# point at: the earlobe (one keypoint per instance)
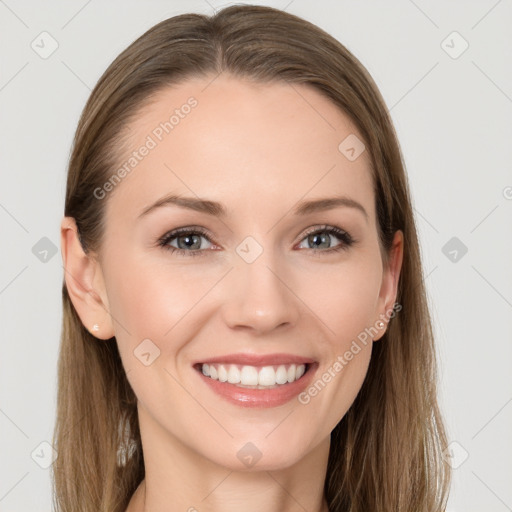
(84, 282)
(389, 287)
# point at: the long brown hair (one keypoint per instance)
(385, 453)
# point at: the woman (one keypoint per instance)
(290, 365)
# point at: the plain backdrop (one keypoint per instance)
(445, 72)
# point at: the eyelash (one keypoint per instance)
(346, 239)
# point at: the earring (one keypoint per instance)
(95, 327)
(381, 324)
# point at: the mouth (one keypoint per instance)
(256, 385)
(254, 377)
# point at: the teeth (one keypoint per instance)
(253, 376)
(281, 375)
(233, 374)
(291, 373)
(222, 373)
(249, 376)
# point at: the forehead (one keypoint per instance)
(249, 145)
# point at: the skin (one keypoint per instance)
(258, 150)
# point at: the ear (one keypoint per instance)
(84, 282)
(389, 286)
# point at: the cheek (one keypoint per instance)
(150, 304)
(344, 297)
(148, 300)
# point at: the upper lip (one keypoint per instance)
(258, 359)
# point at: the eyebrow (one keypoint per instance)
(218, 210)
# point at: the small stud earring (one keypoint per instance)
(95, 327)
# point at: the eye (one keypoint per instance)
(187, 241)
(321, 239)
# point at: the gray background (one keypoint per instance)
(452, 113)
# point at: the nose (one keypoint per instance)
(259, 297)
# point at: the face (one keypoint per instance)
(263, 282)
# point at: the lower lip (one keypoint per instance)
(262, 398)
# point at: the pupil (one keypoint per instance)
(313, 239)
(189, 242)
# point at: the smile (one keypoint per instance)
(256, 386)
(254, 377)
